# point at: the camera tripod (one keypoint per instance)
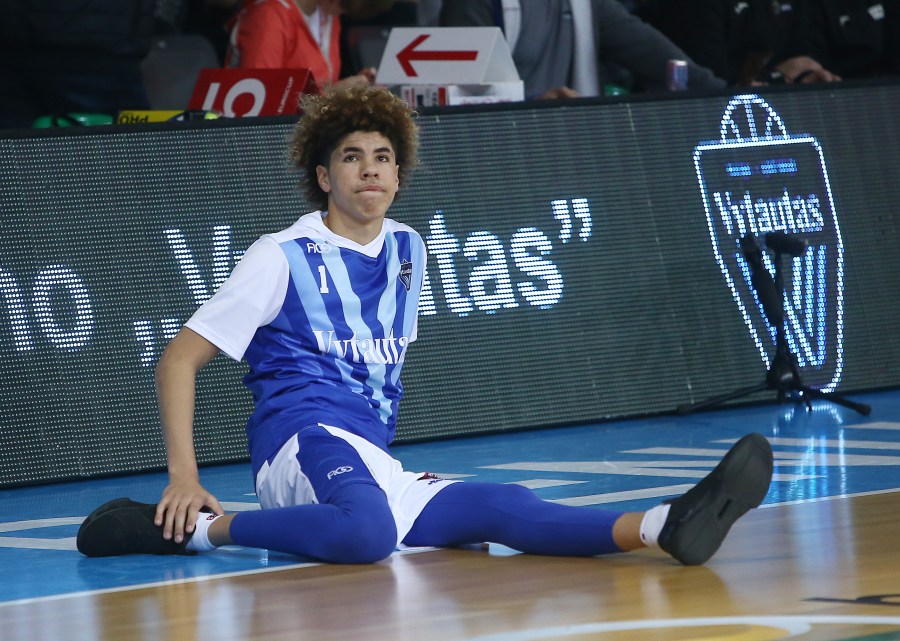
(783, 375)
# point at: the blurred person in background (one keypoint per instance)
(428, 13)
(569, 48)
(72, 56)
(855, 38)
(745, 42)
(298, 34)
(205, 18)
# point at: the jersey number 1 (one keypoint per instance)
(323, 280)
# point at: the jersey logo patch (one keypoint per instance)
(405, 274)
(428, 476)
(341, 470)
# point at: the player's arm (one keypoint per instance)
(250, 298)
(176, 376)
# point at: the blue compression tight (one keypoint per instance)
(357, 526)
(512, 515)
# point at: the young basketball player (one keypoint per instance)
(323, 312)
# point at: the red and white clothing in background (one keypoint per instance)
(275, 34)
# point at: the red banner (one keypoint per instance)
(237, 93)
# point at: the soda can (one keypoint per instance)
(678, 75)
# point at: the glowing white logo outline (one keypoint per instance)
(770, 137)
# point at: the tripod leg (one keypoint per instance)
(810, 393)
(681, 410)
(796, 382)
(807, 398)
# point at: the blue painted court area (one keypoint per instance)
(622, 465)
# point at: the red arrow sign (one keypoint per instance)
(409, 53)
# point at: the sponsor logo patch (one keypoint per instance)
(341, 470)
(405, 274)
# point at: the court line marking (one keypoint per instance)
(793, 625)
(820, 499)
(782, 457)
(540, 484)
(33, 524)
(875, 425)
(661, 468)
(836, 443)
(66, 544)
(155, 584)
(191, 579)
(625, 495)
(241, 573)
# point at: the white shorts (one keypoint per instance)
(281, 482)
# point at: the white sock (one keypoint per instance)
(200, 538)
(653, 522)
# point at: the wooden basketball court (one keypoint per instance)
(818, 561)
(816, 571)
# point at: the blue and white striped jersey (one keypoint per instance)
(324, 324)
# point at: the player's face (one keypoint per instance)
(361, 180)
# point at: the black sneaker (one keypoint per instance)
(123, 526)
(699, 520)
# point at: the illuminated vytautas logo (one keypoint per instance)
(756, 179)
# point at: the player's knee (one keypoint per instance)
(363, 530)
(374, 545)
(368, 536)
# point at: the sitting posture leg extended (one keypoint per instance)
(356, 524)
(690, 528)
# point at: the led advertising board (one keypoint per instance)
(582, 264)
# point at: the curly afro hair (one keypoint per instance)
(329, 117)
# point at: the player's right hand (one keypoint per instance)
(179, 506)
